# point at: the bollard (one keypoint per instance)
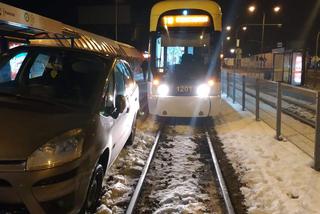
(243, 92)
(234, 88)
(257, 100)
(279, 107)
(317, 135)
(227, 84)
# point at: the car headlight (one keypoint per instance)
(163, 90)
(62, 149)
(203, 90)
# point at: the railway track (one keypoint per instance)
(182, 173)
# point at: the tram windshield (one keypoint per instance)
(183, 54)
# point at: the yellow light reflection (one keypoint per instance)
(156, 82)
(189, 20)
(211, 82)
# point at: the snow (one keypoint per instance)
(301, 108)
(123, 175)
(176, 186)
(276, 176)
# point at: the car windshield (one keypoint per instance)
(56, 76)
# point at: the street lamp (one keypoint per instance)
(276, 9)
(252, 8)
(116, 20)
(228, 28)
(232, 50)
(244, 28)
(228, 38)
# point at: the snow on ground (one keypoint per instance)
(123, 175)
(176, 182)
(301, 108)
(277, 177)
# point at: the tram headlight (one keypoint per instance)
(203, 90)
(163, 90)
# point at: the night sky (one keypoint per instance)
(300, 19)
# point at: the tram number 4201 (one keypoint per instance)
(184, 89)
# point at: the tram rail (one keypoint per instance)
(222, 188)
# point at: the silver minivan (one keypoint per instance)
(65, 116)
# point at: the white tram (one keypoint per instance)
(185, 58)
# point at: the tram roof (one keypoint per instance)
(206, 5)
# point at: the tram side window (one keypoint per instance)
(11, 66)
(159, 54)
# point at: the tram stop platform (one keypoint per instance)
(276, 176)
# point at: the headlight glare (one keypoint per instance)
(203, 90)
(211, 82)
(58, 151)
(163, 90)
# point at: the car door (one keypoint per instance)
(119, 129)
(132, 93)
(112, 125)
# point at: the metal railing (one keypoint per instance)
(293, 112)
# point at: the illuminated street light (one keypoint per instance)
(252, 8)
(221, 56)
(228, 38)
(232, 50)
(228, 28)
(201, 37)
(276, 9)
(244, 28)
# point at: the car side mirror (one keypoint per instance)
(109, 109)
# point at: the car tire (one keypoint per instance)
(133, 133)
(94, 190)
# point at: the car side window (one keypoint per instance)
(108, 96)
(39, 66)
(127, 73)
(119, 80)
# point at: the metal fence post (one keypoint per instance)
(279, 107)
(227, 84)
(317, 135)
(234, 88)
(243, 92)
(257, 100)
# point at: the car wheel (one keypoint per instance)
(133, 133)
(94, 190)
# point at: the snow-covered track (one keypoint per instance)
(139, 186)
(172, 185)
(222, 183)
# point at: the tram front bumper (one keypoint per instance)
(180, 106)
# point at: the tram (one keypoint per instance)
(184, 62)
